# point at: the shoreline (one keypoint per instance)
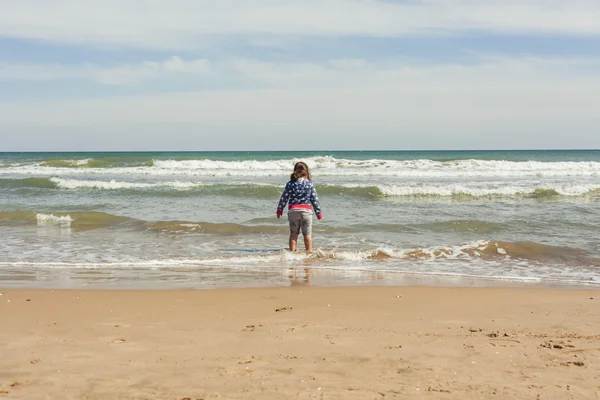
(300, 342)
(220, 277)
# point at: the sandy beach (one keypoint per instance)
(301, 342)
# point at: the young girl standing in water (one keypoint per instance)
(302, 196)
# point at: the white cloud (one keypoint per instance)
(188, 24)
(513, 100)
(148, 70)
(486, 71)
(516, 101)
(128, 74)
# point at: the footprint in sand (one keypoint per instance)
(577, 363)
(560, 345)
(250, 328)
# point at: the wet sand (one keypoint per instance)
(301, 342)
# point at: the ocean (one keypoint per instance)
(207, 219)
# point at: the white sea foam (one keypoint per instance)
(475, 189)
(467, 250)
(479, 259)
(329, 166)
(67, 183)
(318, 257)
(64, 183)
(81, 162)
(275, 259)
(487, 189)
(77, 163)
(325, 166)
(51, 219)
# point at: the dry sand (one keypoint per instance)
(301, 342)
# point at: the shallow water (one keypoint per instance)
(208, 219)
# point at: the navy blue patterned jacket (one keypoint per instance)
(300, 194)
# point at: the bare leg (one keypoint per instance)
(308, 242)
(293, 242)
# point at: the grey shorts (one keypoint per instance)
(300, 218)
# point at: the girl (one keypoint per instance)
(301, 193)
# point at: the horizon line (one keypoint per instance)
(295, 151)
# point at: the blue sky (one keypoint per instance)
(327, 74)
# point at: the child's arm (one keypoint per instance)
(314, 199)
(285, 196)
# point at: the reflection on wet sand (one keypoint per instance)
(304, 280)
(214, 277)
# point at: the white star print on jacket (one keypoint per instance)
(300, 194)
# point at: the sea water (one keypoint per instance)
(207, 219)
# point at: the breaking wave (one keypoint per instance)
(484, 250)
(75, 220)
(95, 163)
(409, 189)
(535, 255)
(493, 190)
(322, 166)
(62, 183)
(93, 220)
(480, 249)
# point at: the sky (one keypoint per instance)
(83, 75)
